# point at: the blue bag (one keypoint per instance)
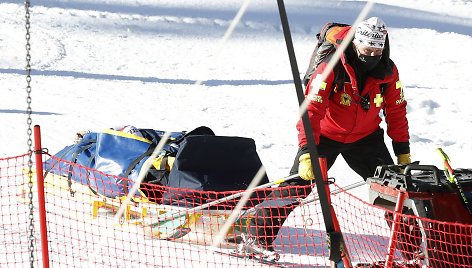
(114, 158)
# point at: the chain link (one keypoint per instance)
(29, 133)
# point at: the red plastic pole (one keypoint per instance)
(337, 227)
(41, 199)
(395, 226)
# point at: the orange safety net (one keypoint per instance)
(82, 229)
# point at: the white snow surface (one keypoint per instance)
(102, 63)
(97, 64)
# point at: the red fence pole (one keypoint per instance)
(344, 253)
(395, 226)
(41, 199)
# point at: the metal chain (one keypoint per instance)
(29, 133)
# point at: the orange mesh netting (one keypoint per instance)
(82, 230)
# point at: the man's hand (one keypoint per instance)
(305, 171)
(403, 159)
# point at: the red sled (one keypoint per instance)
(439, 230)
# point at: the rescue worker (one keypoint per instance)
(345, 121)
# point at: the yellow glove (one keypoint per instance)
(305, 171)
(403, 159)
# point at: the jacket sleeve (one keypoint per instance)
(318, 102)
(395, 115)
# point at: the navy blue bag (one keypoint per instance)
(211, 163)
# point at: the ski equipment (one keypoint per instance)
(449, 172)
(239, 255)
(169, 223)
(250, 248)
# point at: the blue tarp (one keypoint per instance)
(203, 162)
(108, 154)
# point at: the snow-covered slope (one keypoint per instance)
(103, 63)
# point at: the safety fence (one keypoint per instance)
(81, 228)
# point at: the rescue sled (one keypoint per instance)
(428, 194)
(102, 168)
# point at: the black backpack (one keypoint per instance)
(325, 48)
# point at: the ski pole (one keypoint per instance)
(221, 200)
(449, 172)
(313, 198)
(337, 191)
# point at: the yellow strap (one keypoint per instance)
(126, 135)
(157, 162)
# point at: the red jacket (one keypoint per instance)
(341, 117)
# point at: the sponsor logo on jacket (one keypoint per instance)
(372, 35)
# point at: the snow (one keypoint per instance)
(103, 63)
(98, 64)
